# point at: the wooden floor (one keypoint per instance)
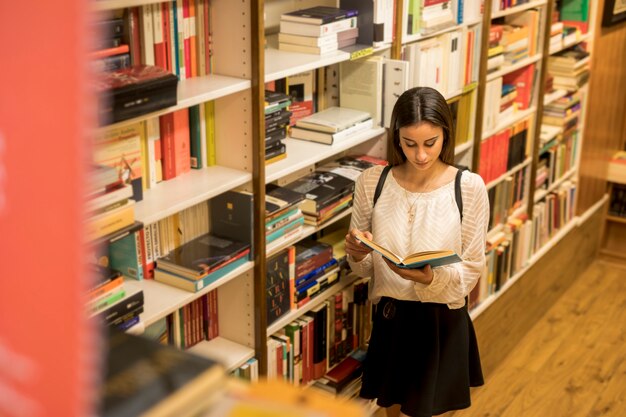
(573, 361)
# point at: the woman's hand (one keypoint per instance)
(423, 275)
(354, 248)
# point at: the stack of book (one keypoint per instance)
(326, 195)
(283, 217)
(569, 68)
(201, 261)
(277, 116)
(109, 205)
(556, 36)
(434, 15)
(562, 111)
(110, 301)
(331, 125)
(317, 30)
(495, 53)
(110, 52)
(316, 269)
(344, 377)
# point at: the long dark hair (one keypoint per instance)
(416, 105)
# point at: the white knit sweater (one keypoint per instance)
(436, 226)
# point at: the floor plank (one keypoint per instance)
(573, 361)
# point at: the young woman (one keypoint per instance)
(422, 355)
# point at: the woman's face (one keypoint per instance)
(422, 144)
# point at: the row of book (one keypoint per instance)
(313, 345)
(508, 95)
(504, 150)
(617, 201)
(110, 301)
(446, 62)
(318, 30)
(277, 118)
(506, 196)
(426, 16)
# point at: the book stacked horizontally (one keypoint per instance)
(316, 269)
(110, 52)
(326, 195)
(317, 30)
(109, 205)
(569, 68)
(277, 117)
(563, 112)
(283, 217)
(201, 261)
(112, 302)
(331, 125)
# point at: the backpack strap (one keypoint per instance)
(381, 182)
(457, 189)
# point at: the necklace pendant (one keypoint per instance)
(411, 215)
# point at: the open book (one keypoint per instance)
(414, 260)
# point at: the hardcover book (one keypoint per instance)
(201, 256)
(146, 378)
(318, 15)
(321, 189)
(133, 91)
(333, 119)
(414, 260)
(279, 284)
(278, 198)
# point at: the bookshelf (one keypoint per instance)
(243, 64)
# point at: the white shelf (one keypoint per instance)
(583, 38)
(193, 187)
(320, 298)
(230, 354)
(302, 153)
(475, 312)
(406, 39)
(194, 91)
(520, 115)
(161, 299)
(506, 69)
(280, 64)
(518, 9)
(553, 96)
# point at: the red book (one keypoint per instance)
(167, 39)
(160, 50)
(103, 53)
(186, 38)
(175, 143)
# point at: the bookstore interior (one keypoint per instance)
(225, 141)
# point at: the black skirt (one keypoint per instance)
(423, 356)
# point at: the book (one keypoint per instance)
(329, 138)
(279, 284)
(145, 378)
(279, 198)
(305, 29)
(333, 119)
(321, 189)
(318, 15)
(201, 256)
(414, 260)
(195, 285)
(133, 91)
